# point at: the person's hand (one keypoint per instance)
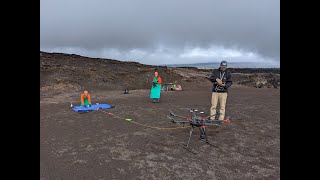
(219, 81)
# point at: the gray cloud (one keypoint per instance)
(166, 30)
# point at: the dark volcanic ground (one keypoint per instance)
(97, 145)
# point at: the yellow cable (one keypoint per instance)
(154, 127)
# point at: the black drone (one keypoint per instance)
(196, 121)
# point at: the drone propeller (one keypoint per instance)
(172, 120)
(171, 113)
(215, 122)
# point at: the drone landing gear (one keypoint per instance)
(203, 138)
(187, 147)
(207, 142)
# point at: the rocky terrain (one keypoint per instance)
(67, 73)
(99, 145)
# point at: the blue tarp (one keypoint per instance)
(92, 108)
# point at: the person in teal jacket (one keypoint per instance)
(156, 88)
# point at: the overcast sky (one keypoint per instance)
(163, 31)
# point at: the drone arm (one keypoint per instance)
(182, 121)
(172, 114)
(180, 117)
(175, 121)
(208, 117)
(217, 121)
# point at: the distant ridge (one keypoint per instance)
(230, 64)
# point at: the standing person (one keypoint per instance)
(221, 79)
(156, 87)
(85, 99)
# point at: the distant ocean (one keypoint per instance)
(230, 65)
